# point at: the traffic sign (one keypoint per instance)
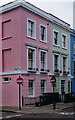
(19, 80)
(53, 80)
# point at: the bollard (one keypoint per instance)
(53, 105)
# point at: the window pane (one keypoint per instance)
(43, 60)
(55, 38)
(31, 87)
(31, 58)
(43, 86)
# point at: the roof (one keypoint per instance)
(34, 9)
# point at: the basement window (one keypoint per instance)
(5, 79)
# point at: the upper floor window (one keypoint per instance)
(56, 63)
(31, 58)
(31, 28)
(43, 60)
(43, 33)
(55, 38)
(64, 41)
(64, 63)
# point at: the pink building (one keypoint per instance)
(25, 52)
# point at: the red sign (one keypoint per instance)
(53, 80)
(19, 80)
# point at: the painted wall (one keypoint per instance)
(14, 51)
(72, 39)
(60, 51)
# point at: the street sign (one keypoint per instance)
(53, 80)
(19, 80)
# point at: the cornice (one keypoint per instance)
(30, 7)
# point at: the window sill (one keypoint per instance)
(5, 81)
(56, 45)
(43, 41)
(31, 96)
(31, 37)
(6, 38)
(64, 48)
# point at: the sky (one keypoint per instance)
(62, 9)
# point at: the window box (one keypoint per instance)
(57, 70)
(60, 71)
(43, 71)
(65, 72)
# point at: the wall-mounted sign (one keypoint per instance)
(17, 68)
(53, 80)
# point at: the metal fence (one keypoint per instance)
(29, 100)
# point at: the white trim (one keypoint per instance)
(34, 22)
(66, 62)
(20, 72)
(33, 89)
(62, 40)
(58, 45)
(58, 61)
(40, 58)
(34, 53)
(45, 33)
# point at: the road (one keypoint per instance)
(68, 114)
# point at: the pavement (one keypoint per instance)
(31, 109)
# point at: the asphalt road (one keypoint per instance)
(67, 114)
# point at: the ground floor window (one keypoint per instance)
(43, 86)
(31, 88)
(62, 86)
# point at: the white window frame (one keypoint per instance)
(4, 80)
(65, 42)
(57, 38)
(44, 86)
(40, 58)
(66, 63)
(34, 36)
(58, 61)
(45, 33)
(35, 56)
(33, 89)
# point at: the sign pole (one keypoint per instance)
(19, 99)
(19, 82)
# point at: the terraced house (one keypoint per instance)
(35, 45)
(72, 45)
(60, 57)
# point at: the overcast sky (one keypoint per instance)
(63, 9)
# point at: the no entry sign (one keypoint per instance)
(19, 80)
(53, 80)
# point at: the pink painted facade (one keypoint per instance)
(14, 53)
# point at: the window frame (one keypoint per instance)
(34, 22)
(43, 87)
(66, 63)
(65, 42)
(46, 59)
(5, 81)
(45, 41)
(34, 57)
(57, 45)
(33, 95)
(54, 61)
